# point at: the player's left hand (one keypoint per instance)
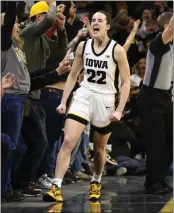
(115, 116)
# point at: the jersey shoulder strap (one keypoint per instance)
(114, 44)
(86, 44)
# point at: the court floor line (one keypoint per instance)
(168, 207)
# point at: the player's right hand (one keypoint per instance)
(61, 109)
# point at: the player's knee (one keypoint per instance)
(67, 143)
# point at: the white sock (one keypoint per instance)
(58, 182)
(96, 178)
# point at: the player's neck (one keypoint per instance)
(101, 42)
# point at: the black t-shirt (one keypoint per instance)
(147, 40)
(159, 64)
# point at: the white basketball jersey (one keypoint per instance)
(99, 69)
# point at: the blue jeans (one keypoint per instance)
(12, 116)
(6, 166)
(12, 108)
(34, 134)
(17, 155)
(54, 124)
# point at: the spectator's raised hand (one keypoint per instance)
(72, 11)
(82, 33)
(61, 8)
(85, 20)
(64, 65)
(60, 20)
(136, 24)
(86, 23)
(51, 2)
(8, 81)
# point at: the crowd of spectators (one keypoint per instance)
(37, 40)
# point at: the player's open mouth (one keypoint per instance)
(96, 29)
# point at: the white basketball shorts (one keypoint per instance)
(94, 108)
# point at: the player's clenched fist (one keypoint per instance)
(115, 116)
(61, 109)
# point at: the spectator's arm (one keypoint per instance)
(72, 14)
(89, 30)
(41, 80)
(20, 10)
(72, 77)
(72, 44)
(131, 36)
(39, 72)
(86, 22)
(59, 45)
(38, 29)
(2, 92)
(7, 27)
(62, 42)
(43, 77)
(168, 32)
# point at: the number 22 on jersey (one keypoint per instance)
(98, 77)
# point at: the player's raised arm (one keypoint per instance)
(121, 58)
(72, 78)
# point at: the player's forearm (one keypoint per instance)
(124, 94)
(70, 83)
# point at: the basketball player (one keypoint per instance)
(94, 101)
(156, 108)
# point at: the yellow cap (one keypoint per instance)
(38, 8)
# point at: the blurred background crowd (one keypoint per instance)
(35, 37)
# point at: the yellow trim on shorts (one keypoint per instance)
(168, 207)
(101, 126)
(71, 113)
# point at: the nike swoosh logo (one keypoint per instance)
(107, 107)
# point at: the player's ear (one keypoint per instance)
(108, 26)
